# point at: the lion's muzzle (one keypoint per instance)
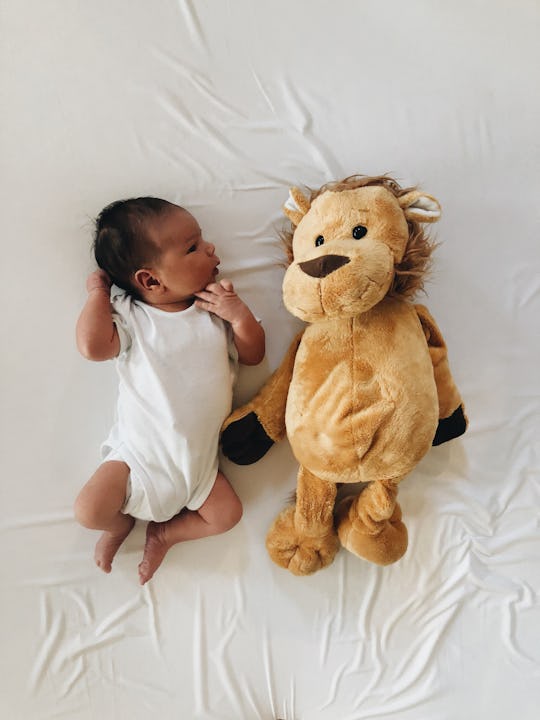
(322, 266)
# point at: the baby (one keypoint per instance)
(177, 334)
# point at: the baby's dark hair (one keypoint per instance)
(122, 244)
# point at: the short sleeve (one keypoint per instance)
(121, 311)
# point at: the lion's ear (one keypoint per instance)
(420, 207)
(296, 206)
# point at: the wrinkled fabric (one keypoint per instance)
(220, 107)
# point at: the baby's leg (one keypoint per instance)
(98, 507)
(220, 512)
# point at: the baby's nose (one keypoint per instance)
(211, 249)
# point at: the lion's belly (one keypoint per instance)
(362, 403)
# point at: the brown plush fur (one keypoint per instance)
(361, 390)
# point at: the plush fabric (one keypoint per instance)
(366, 389)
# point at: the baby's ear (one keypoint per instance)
(145, 280)
(420, 206)
(296, 206)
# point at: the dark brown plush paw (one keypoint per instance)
(245, 441)
(451, 427)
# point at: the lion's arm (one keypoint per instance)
(452, 419)
(251, 430)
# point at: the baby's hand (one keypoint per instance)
(221, 299)
(98, 280)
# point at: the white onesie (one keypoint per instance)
(176, 372)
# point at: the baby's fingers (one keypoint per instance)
(219, 288)
(226, 285)
(204, 305)
(208, 297)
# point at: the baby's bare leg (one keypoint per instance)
(98, 507)
(219, 513)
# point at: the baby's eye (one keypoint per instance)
(359, 231)
(192, 248)
(319, 240)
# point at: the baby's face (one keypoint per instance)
(187, 262)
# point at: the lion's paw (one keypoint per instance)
(301, 554)
(382, 542)
(244, 439)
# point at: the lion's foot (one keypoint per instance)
(295, 551)
(382, 542)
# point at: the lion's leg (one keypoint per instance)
(302, 537)
(370, 526)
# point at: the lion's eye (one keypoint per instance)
(359, 231)
(319, 240)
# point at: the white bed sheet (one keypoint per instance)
(220, 106)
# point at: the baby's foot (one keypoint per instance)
(155, 550)
(107, 547)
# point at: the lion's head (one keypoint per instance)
(352, 243)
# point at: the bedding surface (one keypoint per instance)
(220, 107)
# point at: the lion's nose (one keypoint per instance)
(322, 266)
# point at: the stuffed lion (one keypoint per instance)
(365, 389)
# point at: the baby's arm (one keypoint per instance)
(97, 337)
(221, 299)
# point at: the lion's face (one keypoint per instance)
(345, 248)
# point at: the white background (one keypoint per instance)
(220, 106)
